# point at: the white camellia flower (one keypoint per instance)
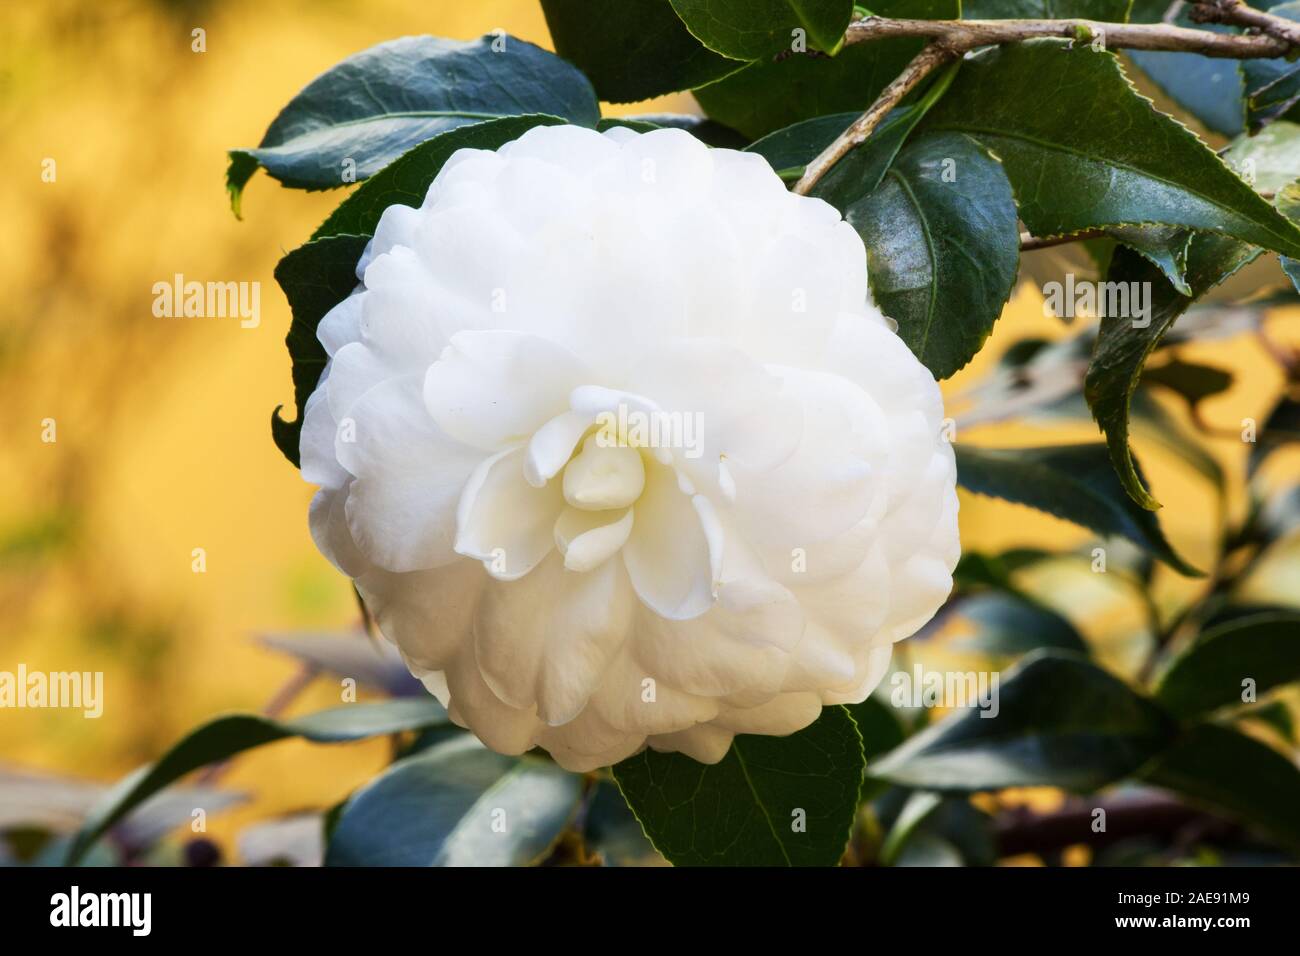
(620, 452)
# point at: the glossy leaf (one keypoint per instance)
(1269, 160)
(1263, 649)
(943, 247)
(1272, 86)
(771, 801)
(456, 804)
(226, 736)
(1125, 341)
(1073, 482)
(1128, 163)
(1010, 624)
(771, 94)
(1062, 722)
(859, 172)
(315, 278)
(360, 115)
(1165, 247)
(701, 127)
(1288, 203)
(633, 49)
(754, 29)
(1226, 771)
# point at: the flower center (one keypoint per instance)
(601, 477)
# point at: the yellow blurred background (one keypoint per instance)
(163, 440)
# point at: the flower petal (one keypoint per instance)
(504, 521)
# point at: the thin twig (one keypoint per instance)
(1236, 13)
(963, 35)
(922, 65)
(951, 39)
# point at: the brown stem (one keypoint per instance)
(950, 39)
(1236, 13)
(963, 35)
(1021, 831)
(922, 65)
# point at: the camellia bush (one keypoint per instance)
(628, 433)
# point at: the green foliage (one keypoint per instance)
(943, 247)
(1214, 670)
(1124, 343)
(359, 116)
(456, 804)
(1046, 133)
(1224, 770)
(754, 29)
(1062, 722)
(406, 181)
(315, 278)
(770, 94)
(224, 737)
(633, 49)
(1136, 166)
(772, 801)
(1074, 482)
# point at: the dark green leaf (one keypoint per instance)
(755, 29)
(702, 128)
(633, 49)
(1124, 341)
(1125, 163)
(1210, 672)
(226, 736)
(790, 149)
(1226, 771)
(407, 180)
(1073, 482)
(1288, 203)
(1272, 86)
(456, 804)
(1165, 247)
(747, 809)
(1269, 160)
(943, 247)
(1062, 722)
(771, 94)
(359, 116)
(315, 278)
(850, 181)
(881, 732)
(1009, 624)
(879, 726)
